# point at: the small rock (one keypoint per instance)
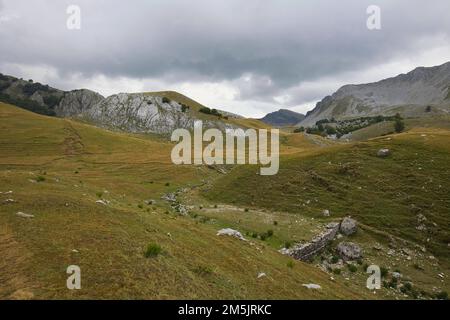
(232, 233)
(377, 247)
(383, 153)
(261, 274)
(104, 202)
(24, 215)
(348, 226)
(326, 213)
(312, 286)
(396, 275)
(9, 201)
(75, 251)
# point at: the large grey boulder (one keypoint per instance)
(348, 226)
(349, 251)
(231, 233)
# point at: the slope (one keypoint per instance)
(86, 188)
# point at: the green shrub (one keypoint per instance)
(352, 268)
(263, 236)
(254, 235)
(288, 244)
(384, 272)
(165, 100)
(334, 259)
(99, 194)
(275, 223)
(40, 179)
(443, 295)
(337, 271)
(399, 125)
(246, 210)
(269, 233)
(153, 250)
(203, 270)
(140, 206)
(290, 264)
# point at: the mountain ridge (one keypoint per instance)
(283, 117)
(146, 112)
(408, 94)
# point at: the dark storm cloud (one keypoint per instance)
(280, 43)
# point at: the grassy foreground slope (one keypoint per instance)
(58, 170)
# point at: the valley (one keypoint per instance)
(98, 199)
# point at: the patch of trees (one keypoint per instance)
(213, 112)
(27, 104)
(184, 107)
(399, 125)
(4, 85)
(52, 101)
(339, 128)
(30, 88)
(166, 100)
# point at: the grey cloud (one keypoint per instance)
(285, 41)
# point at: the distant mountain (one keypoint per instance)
(408, 94)
(283, 117)
(150, 112)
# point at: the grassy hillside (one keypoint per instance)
(194, 108)
(387, 196)
(58, 169)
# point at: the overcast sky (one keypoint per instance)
(248, 56)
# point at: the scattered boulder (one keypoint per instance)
(24, 215)
(9, 201)
(349, 251)
(312, 286)
(383, 153)
(104, 202)
(170, 197)
(180, 208)
(326, 213)
(232, 233)
(149, 202)
(348, 226)
(261, 275)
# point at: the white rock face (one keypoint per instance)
(76, 102)
(136, 112)
(408, 94)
